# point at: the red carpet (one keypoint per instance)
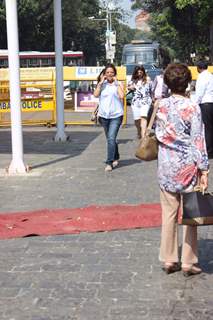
(89, 219)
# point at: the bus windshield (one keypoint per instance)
(147, 56)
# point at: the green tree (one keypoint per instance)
(204, 21)
(35, 20)
(36, 28)
(183, 25)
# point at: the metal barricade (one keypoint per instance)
(37, 96)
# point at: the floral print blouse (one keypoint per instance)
(182, 148)
(142, 93)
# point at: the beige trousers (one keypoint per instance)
(170, 203)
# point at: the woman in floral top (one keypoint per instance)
(141, 101)
(182, 158)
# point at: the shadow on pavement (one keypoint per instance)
(205, 255)
(124, 141)
(128, 162)
(48, 163)
(42, 142)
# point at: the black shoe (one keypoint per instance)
(191, 271)
(171, 268)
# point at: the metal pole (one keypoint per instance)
(110, 30)
(110, 21)
(17, 165)
(211, 41)
(60, 135)
(107, 32)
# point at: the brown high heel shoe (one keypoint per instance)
(191, 270)
(171, 267)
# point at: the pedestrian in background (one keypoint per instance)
(204, 97)
(182, 159)
(142, 99)
(159, 88)
(110, 111)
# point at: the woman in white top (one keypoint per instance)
(159, 88)
(142, 98)
(110, 111)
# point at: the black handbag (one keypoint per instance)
(197, 208)
(129, 97)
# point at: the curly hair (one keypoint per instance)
(177, 76)
(135, 74)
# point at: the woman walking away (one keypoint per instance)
(142, 100)
(182, 161)
(110, 111)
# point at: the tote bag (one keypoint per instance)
(148, 146)
(197, 208)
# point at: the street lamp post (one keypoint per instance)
(107, 43)
(110, 50)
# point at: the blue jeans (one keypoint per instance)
(111, 127)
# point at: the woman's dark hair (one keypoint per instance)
(110, 65)
(100, 74)
(177, 77)
(135, 77)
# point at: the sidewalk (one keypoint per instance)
(104, 276)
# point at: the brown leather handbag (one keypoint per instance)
(148, 146)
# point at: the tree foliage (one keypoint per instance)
(36, 28)
(182, 25)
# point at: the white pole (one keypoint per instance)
(110, 21)
(107, 34)
(60, 135)
(110, 31)
(17, 164)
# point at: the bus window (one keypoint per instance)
(145, 57)
(34, 62)
(129, 58)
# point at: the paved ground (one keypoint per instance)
(103, 276)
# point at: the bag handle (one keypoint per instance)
(199, 189)
(156, 104)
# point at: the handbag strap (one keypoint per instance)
(156, 104)
(199, 189)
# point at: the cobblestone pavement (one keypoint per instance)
(106, 275)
